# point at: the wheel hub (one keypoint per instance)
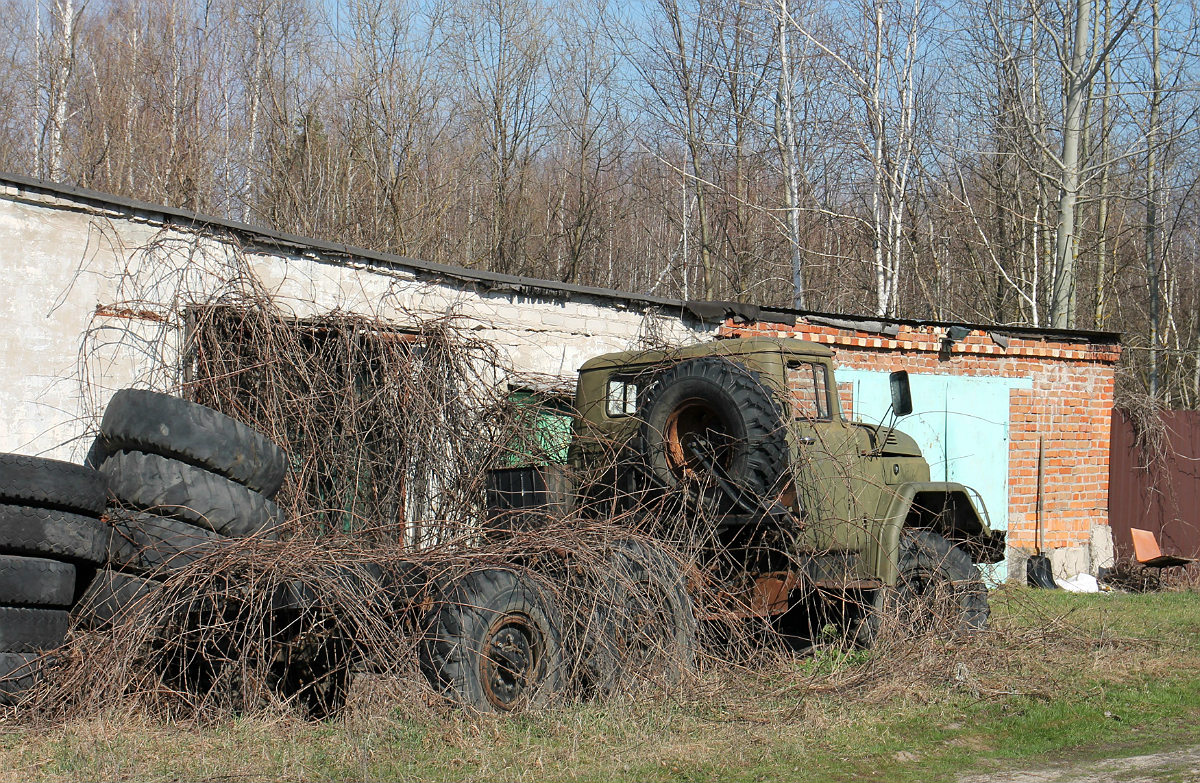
(929, 601)
(695, 421)
(509, 662)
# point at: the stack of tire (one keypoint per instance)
(51, 540)
(184, 479)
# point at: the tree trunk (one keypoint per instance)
(1062, 303)
(1153, 261)
(786, 139)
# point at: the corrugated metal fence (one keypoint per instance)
(1156, 488)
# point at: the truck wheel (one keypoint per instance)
(142, 420)
(494, 642)
(938, 592)
(644, 621)
(717, 411)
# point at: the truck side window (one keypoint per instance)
(808, 387)
(622, 398)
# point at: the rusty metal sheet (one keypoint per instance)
(1159, 493)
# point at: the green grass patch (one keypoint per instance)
(1060, 678)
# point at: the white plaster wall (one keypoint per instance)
(95, 298)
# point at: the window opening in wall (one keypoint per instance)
(808, 390)
(334, 392)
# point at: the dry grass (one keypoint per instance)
(1041, 679)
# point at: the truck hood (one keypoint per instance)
(896, 443)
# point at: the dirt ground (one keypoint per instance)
(1173, 766)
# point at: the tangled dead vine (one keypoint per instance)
(390, 429)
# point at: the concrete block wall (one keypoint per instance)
(97, 294)
(1067, 411)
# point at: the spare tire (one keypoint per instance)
(141, 420)
(712, 410)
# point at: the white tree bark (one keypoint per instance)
(787, 140)
(1062, 304)
(64, 64)
(1153, 257)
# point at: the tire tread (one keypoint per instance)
(157, 423)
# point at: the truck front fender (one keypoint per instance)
(946, 507)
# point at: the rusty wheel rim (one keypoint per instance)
(694, 417)
(510, 661)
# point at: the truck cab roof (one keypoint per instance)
(737, 346)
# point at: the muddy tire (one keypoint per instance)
(938, 593)
(712, 409)
(172, 488)
(141, 420)
(46, 532)
(494, 642)
(49, 483)
(643, 620)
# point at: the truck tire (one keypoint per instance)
(494, 642)
(173, 488)
(141, 420)
(18, 673)
(315, 674)
(26, 630)
(112, 597)
(46, 532)
(36, 581)
(643, 622)
(147, 544)
(938, 592)
(49, 483)
(729, 409)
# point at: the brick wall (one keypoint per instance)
(1068, 407)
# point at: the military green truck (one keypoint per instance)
(738, 449)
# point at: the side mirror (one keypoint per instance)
(901, 394)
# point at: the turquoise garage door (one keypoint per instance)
(961, 425)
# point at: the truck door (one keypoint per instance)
(827, 458)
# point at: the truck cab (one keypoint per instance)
(750, 434)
